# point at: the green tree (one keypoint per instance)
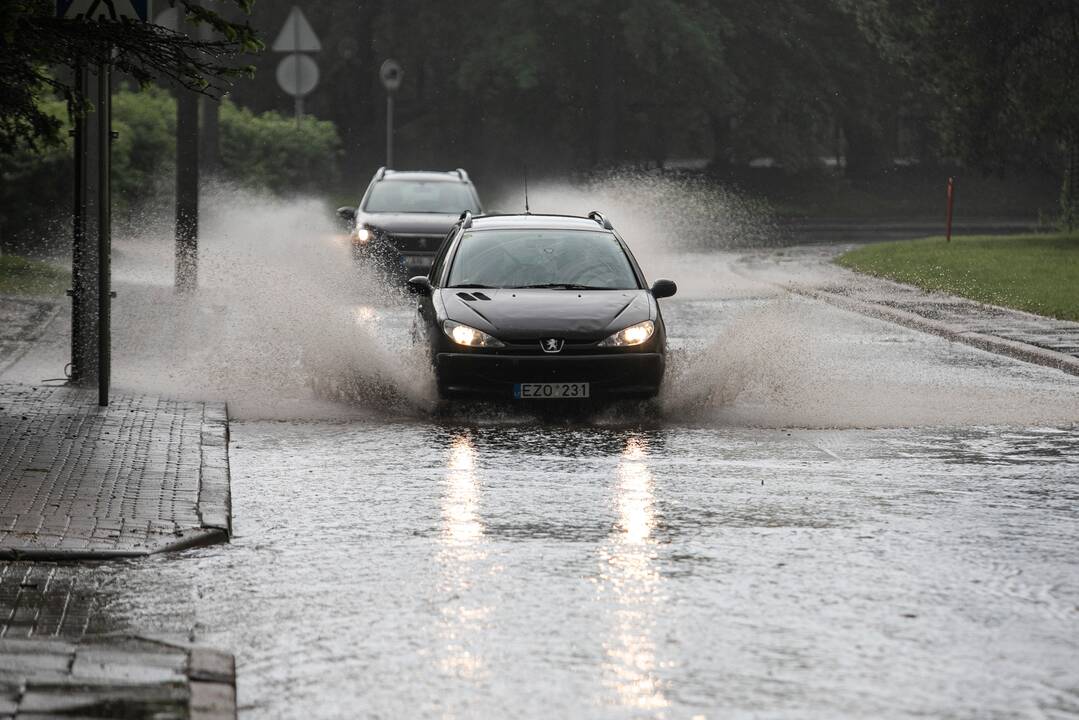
(1004, 75)
(34, 43)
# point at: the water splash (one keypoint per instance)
(283, 324)
(788, 362)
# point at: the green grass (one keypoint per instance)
(21, 276)
(1036, 273)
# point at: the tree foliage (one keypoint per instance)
(265, 150)
(1003, 76)
(39, 51)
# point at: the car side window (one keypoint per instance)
(440, 258)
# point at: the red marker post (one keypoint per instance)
(951, 206)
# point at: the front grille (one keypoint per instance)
(416, 243)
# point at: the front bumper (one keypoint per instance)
(612, 375)
(390, 259)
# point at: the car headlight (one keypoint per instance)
(363, 235)
(633, 335)
(469, 336)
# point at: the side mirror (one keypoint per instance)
(419, 285)
(347, 216)
(663, 289)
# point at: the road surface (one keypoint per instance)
(825, 516)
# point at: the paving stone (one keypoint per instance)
(78, 480)
(114, 676)
(210, 665)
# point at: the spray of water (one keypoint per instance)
(284, 325)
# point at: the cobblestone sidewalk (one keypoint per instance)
(1033, 338)
(143, 475)
(115, 677)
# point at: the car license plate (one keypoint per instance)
(550, 391)
(419, 261)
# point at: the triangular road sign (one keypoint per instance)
(297, 35)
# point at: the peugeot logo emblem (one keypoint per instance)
(552, 345)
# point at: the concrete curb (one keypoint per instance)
(991, 343)
(191, 539)
(215, 499)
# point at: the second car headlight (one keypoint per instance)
(469, 336)
(363, 235)
(633, 335)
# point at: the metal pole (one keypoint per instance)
(187, 185)
(389, 130)
(104, 237)
(78, 239)
(187, 191)
(86, 281)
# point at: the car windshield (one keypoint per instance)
(414, 196)
(556, 259)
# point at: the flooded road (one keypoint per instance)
(825, 515)
(409, 569)
(712, 557)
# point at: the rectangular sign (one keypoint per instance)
(103, 9)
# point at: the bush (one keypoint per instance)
(270, 150)
(258, 150)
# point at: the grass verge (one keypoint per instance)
(21, 276)
(1036, 273)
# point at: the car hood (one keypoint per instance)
(574, 315)
(411, 223)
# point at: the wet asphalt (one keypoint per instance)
(825, 515)
(714, 556)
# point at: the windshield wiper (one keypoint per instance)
(476, 286)
(566, 286)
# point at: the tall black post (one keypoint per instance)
(86, 264)
(187, 184)
(104, 233)
(187, 190)
(78, 240)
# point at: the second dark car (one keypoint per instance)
(404, 216)
(541, 307)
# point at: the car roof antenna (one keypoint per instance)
(527, 212)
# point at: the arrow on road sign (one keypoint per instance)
(103, 9)
(297, 35)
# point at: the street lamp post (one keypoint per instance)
(391, 75)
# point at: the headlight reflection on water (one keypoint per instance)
(461, 558)
(630, 575)
(462, 523)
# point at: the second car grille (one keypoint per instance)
(416, 243)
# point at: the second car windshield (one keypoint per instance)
(558, 259)
(409, 196)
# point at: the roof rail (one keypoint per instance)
(601, 219)
(466, 219)
(381, 173)
(462, 174)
